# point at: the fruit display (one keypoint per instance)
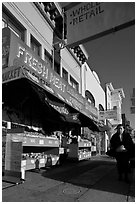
(80, 150)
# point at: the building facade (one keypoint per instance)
(94, 92)
(114, 99)
(39, 43)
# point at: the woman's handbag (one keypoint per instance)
(111, 153)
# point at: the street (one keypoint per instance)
(93, 180)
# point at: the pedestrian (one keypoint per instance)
(121, 143)
(131, 146)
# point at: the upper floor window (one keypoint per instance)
(74, 83)
(57, 67)
(90, 97)
(48, 59)
(35, 45)
(101, 107)
(8, 20)
(64, 74)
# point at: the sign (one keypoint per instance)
(89, 20)
(12, 74)
(23, 62)
(109, 114)
(58, 107)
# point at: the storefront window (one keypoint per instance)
(64, 74)
(8, 20)
(35, 45)
(74, 83)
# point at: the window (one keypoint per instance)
(35, 45)
(114, 107)
(90, 97)
(101, 107)
(74, 83)
(8, 20)
(64, 74)
(48, 59)
(57, 67)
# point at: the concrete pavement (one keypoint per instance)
(93, 180)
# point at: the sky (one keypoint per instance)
(112, 57)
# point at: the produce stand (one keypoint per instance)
(28, 150)
(80, 150)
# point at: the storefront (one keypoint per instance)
(34, 95)
(21, 65)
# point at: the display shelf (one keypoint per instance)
(85, 155)
(49, 160)
(35, 141)
(84, 144)
(93, 148)
(25, 151)
(28, 164)
(80, 150)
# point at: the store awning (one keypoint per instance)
(23, 95)
(25, 92)
(40, 106)
(57, 106)
(104, 128)
(20, 100)
(23, 64)
(101, 126)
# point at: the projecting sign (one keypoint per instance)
(109, 114)
(89, 20)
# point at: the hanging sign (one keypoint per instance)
(89, 20)
(109, 114)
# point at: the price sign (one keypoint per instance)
(41, 142)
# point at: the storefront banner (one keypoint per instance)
(108, 114)
(62, 109)
(58, 107)
(73, 118)
(89, 20)
(12, 73)
(36, 69)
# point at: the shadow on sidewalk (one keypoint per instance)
(100, 174)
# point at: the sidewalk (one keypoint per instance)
(131, 195)
(89, 181)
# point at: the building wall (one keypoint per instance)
(36, 25)
(91, 83)
(71, 65)
(114, 100)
